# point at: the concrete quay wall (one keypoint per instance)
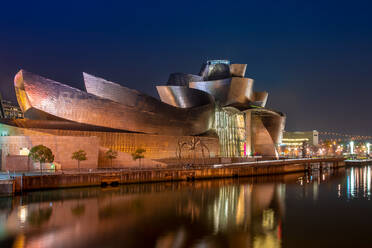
(7, 187)
(27, 183)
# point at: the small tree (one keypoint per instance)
(138, 154)
(41, 154)
(80, 155)
(111, 154)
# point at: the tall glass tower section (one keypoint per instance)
(230, 127)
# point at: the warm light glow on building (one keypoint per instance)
(24, 151)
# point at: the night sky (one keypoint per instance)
(313, 57)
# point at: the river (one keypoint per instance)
(321, 209)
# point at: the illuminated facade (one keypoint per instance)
(298, 138)
(230, 127)
(299, 143)
(8, 110)
(218, 105)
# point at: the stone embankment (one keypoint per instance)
(244, 169)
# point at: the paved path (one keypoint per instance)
(6, 175)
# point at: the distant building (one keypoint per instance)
(8, 110)
(299, 143)
(293, 139)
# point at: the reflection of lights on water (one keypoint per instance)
(315, 191)
(358, 183)
(240, 208)
(270, 240)
(268, 219)
(369, 181)
(19, 241)
(352, 184)
(339, 190)
(22, 214)
(224, 207)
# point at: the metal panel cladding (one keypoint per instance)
(146, 114)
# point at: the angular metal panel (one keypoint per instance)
(22, 99)
(260, 98)
(261, 138)
(273, 121)
(240, 91)
(118, 93)
(147, 115)
(238, 70)
(183, 97)
(267, 128)
(231, 91)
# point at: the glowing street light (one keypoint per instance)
(368, 149)
(351, 147)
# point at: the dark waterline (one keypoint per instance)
(321, 209)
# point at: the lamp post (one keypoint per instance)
(368, 149)
(351, 147)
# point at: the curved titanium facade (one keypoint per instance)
(177, 96)
(183, 97)
(183, 79)
(230, 91)
(187, 107)
(72, 104)
(273, 121)
(267, 130)
(260, 98)
(240, 91)
(238, 70)
(219, 89)
(215, 71)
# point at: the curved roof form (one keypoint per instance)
(273, 121)
(215, 70)
(177, 96)
(238, 70)
(182, 79)
(188, 105)
(219, 89)
(183, 97)
(240, 91)
(260, 98)
(145, 114)
(228, 92)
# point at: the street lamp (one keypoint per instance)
(351, 147)
(368, 149)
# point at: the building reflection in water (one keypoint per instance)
(311, 182)
(248, 212)
(355, 183)
(358, 183)
(206, 213)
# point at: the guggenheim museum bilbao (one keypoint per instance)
(215, 113)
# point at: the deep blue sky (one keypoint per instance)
(313, 57)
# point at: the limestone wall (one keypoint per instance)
(156, 146)
(61, 146)
(125, 160)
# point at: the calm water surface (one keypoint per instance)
(322, 209)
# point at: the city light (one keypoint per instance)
(351, 147)
(368, 148)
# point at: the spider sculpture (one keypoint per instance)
(191, 145)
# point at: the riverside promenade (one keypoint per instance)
(18, 183)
